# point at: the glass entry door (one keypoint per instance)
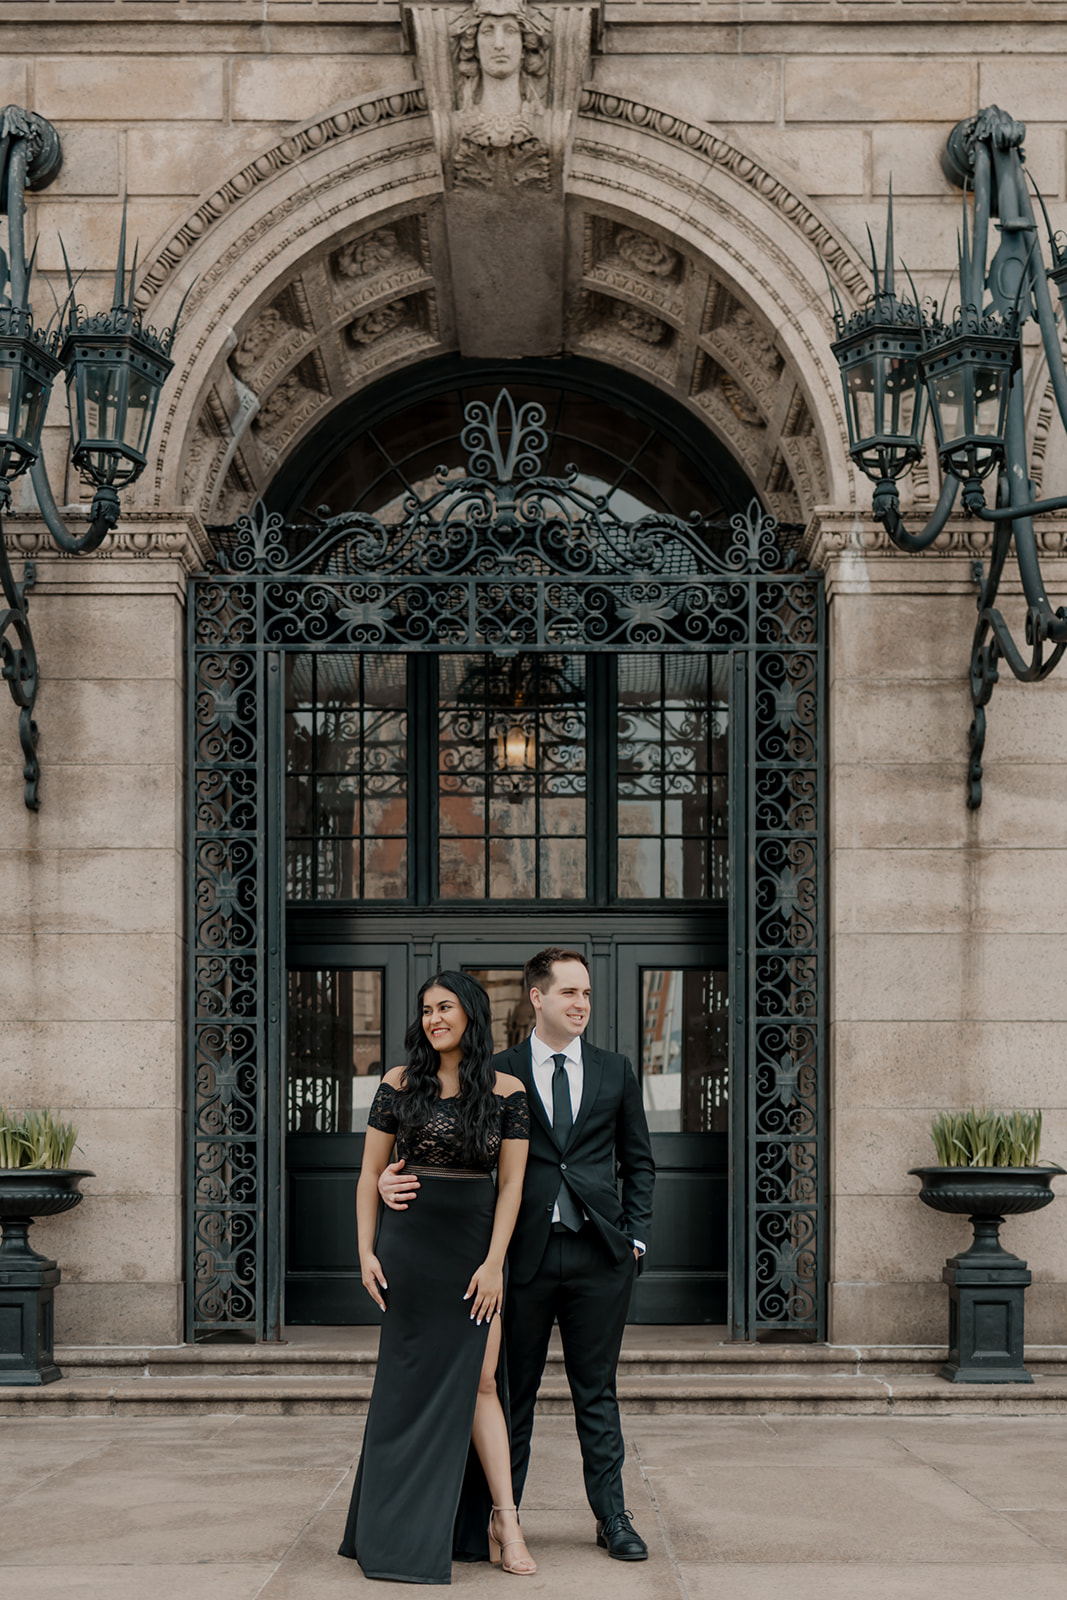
(661, 1002)
(672, 1021)
(345, 1027)
(462, 810)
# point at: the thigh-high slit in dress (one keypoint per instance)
(420, 1498)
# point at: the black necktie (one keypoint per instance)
(562, 1119)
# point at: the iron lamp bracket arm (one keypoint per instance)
(103, 514)
(1033, 508)
(1042, 300)
(18, 662)
(1037, 668)
(886, 507)
(1043, 623)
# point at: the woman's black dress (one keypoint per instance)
(420, 1498)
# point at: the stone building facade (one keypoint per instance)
(659, 188)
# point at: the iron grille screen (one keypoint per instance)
(501, 562)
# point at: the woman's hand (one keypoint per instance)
(370, 1270)
(486, 1289)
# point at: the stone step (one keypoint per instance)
(813, 1392)
(332, 1370)
(356, 1360)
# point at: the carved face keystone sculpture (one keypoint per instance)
(499, 46)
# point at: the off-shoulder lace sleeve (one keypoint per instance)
(515, 1123)
(382, 1114)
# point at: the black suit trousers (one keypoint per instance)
(581, 1287)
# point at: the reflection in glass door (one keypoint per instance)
(672, 1020)
(335, 1049)
(512, 1013)
(684, 1050)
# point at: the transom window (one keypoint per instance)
(471, 777)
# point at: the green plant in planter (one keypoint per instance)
(36, 1180)
(988, 1171)
(35, 1140)
(987, 1138)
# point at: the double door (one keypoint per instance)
(659, 997)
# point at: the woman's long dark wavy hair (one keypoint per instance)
(477, 1109)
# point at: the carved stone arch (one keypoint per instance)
(759, 248)
(242, 250)
(324, 263)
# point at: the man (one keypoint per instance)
(576, 1245)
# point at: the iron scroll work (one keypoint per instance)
(503, 559)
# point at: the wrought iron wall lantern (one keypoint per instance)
(115, 368)
(899, 356)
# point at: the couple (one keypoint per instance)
(439, 1478)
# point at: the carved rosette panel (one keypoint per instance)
(383, 264)
(270, 343)
(284, 409)
(616, 329)
(392, 332)
(642, 267)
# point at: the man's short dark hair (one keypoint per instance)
(537, 973)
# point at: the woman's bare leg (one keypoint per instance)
(490, 1438)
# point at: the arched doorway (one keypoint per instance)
(480, 711)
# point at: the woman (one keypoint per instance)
(435, 1472)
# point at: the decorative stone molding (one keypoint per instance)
(311, 137)
(147, 536)
(847, 270)
(832, 533)
(393, 332)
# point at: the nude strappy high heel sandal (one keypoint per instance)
(496, 1549)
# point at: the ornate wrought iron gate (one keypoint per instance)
(504, 560)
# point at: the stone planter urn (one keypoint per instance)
(28, 1280)
(986, 1282)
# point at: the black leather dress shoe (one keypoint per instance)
(618, 1536)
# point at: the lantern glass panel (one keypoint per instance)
(140, 408)
(860, 386)
(947, 395)
(901, 389)
(33, 397)
(103, 391)
(6, 381)
(988, 388)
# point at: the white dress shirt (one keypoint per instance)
(543, 1071)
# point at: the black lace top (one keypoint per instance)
(437, 1144)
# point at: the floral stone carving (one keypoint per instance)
(374, 324)
(644, 254)
(373, 253)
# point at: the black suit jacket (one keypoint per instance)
(608, 1139)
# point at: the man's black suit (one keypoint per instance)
(583, 1279)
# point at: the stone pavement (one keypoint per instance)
(735, 1508)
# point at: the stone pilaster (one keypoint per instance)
(948, 927)
(91, 913)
